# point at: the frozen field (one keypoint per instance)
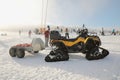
(33, 67)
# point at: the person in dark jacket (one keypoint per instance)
(66, 33)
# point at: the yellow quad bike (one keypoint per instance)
(84, 43)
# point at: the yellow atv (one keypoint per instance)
(84, 43)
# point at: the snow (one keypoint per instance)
(33, 66)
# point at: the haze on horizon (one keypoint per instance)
(93, 13)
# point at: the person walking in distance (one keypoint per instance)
(30, 32)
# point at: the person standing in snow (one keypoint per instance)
(66, 33)
(29, 33)
(19, 32)
(102, 33)
(46, 34)
(113, 32)
(58, 29)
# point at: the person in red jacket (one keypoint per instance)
(47, 33)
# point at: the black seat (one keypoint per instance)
(73, 39)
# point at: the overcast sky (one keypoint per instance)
(60, 12)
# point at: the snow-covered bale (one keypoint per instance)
(37, 44)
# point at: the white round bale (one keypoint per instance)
(38, 44)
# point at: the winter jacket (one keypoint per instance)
(47, 33)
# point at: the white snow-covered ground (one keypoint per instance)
(33, 67)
